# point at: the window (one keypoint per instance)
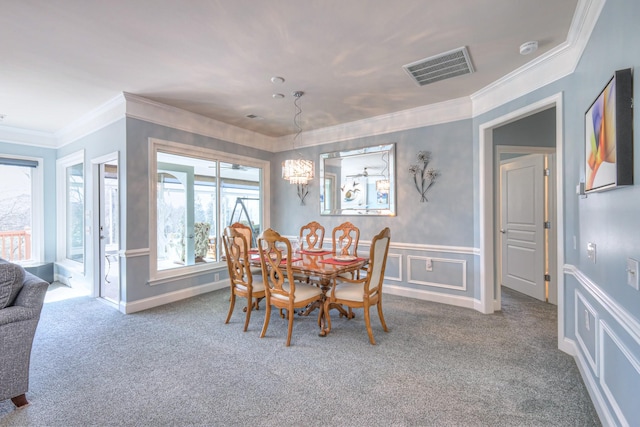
(71, 225)
(21, 216)
(198, 193)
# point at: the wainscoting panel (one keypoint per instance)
(619, 376)
(607, 351)
(586, 329)
(444, 272)
(393, 271)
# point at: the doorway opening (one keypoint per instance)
(108, 227)
(489, 287)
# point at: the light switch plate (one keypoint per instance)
(591, 251)
(632, 273)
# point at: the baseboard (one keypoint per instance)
(455, 300)
(147, 303)
(599, 401)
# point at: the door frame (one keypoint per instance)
(95, 222)
(488, 289)
(550, 196)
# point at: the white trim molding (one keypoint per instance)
(427, 115)
(169, 297)
(138, 107)
(622, 316)
(605, 329)
(486, 199)
(591, 312)
(547, 68)
(132, 253)
(604, 397)
(423, 294)
(397, 278)
(13, 135)
(106, 114)
(462, 262)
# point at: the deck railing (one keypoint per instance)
(15, 245)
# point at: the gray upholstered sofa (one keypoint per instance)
(21, 298)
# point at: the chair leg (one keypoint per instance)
(232, 304)
(384, 324)
(367, 322)
(267, 315)
(290, 329)
(248, 316)
(327, 317)
(20, 401)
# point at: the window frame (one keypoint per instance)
(37, 209)
(162, 276)
(61, 190)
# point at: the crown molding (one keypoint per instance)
(109, 112)
(145, 109)
(14, 135)
(428, 115)
(553, 65)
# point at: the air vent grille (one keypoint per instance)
(440, 67)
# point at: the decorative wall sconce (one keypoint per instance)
(302, 191)
(423, 176)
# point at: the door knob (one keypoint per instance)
(502, 230)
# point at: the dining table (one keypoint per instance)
(324, 266)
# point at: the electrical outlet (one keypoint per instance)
(591, 251)
(429, 264)
(632, 273)
(216, 277)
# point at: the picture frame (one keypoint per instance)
(609, 135)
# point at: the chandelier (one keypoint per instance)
(297, 171)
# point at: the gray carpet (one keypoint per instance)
(179, 365)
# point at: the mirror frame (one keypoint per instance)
(332, 186)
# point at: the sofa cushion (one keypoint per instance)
(11, 279)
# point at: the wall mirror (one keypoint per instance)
(358, 182)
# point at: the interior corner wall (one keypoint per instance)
(106, 140)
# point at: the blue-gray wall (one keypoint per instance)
(598, 293)
(536, 130)
(608, 349)
(135, 211)
(441, 228)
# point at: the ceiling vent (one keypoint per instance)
(440, 67)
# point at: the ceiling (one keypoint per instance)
(61, 59)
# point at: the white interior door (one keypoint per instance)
(522, 225)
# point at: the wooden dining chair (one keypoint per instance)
(242, 282)
(367, 291)
(245, 230)
(282, 291)
(345, 237)
(311, 235)
(248, 234)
